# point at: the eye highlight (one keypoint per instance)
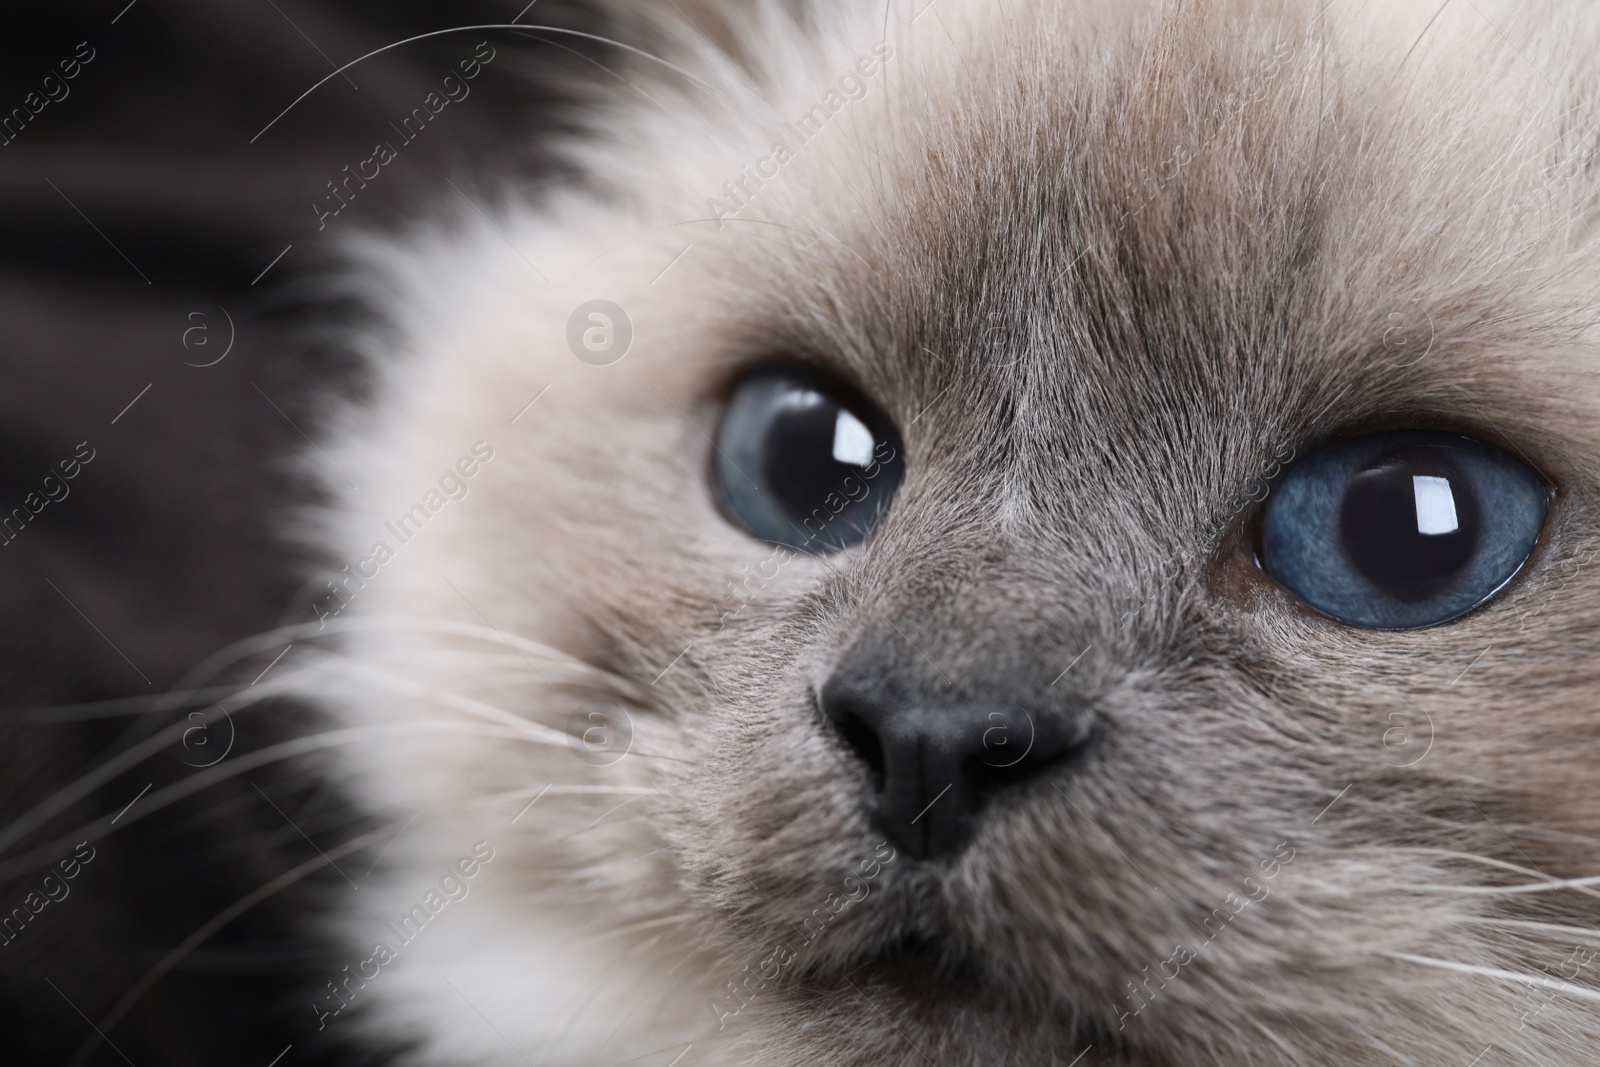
(804, 461)
(1399, 530)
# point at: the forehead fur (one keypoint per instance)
(1101, 264)
(1194, 235)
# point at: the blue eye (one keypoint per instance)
(1398, 530)
(805, 462)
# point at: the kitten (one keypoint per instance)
(841, 580)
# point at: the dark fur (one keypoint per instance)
(168, 541)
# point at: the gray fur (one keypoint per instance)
(1096, 354)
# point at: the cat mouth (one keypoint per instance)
(921, 968)
(930, 981)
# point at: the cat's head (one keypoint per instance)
(1010, 532)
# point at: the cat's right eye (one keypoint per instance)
(803, 461)
(1399, 530)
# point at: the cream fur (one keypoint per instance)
(1171, 326)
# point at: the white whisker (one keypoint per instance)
(272, 639)
(488, 26)
(1539, 981)
(1556, 931)
(107, 709)
(397, 683)
(1586, 885)
(65, 797)
(570, 790)
(330, 739)
(646, 924)
(1582, 885)
(239, 698)
(311, 866)
(217, 922)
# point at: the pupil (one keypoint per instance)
(800, 465)
(1410, 523)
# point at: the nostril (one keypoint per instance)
(863, 740)
(988, 774)
(933, 762)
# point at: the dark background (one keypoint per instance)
(168, 544)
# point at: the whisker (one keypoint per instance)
(398, 683)
(1540, 981)
(329, 739)
(88, 782)
(310, 866)
(1548, 884)
(242, 697)
(645, 946)
(217, 922)
(705, 939)
(490, 26)
(570, 790)
(268, 640)
(1580, 885)
(598, 65)
(646, 924)
(640, 754)
(1553, 929)
(597, 821)
(106, 709)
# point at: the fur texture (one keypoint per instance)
(1103, 265)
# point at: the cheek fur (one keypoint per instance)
(1082, 472)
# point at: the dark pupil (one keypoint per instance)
(1410, 523)
(799, 468)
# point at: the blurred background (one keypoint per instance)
(169, 340)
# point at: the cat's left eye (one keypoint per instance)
(804, 461)
(1399, 530)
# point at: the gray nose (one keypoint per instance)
(933, 762)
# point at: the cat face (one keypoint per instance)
(916, 644)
